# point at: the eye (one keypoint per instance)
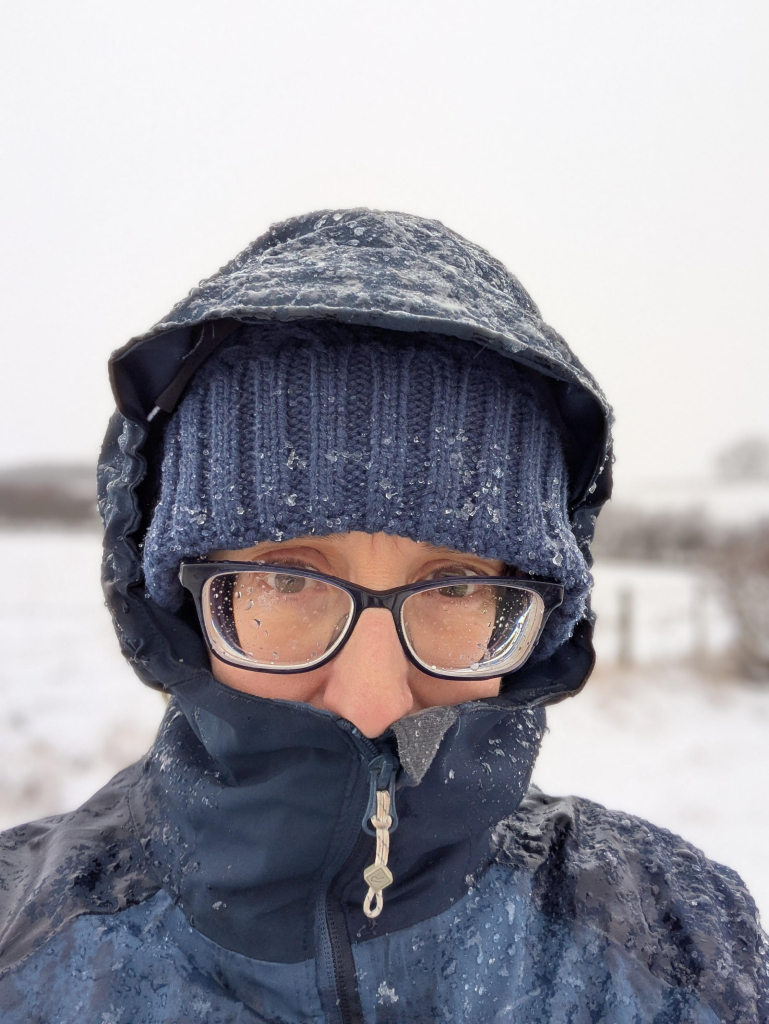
(456, 589)
(285, 583)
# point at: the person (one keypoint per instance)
(348, 499)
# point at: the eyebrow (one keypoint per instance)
(308, 540)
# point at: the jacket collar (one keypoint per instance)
(250, 809)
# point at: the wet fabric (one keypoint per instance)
(290, 784)
(379, 269)
(221, 877)
(582, 915)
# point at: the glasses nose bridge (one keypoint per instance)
(377, 599)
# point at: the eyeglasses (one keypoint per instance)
(279, 619)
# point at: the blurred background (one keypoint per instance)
(614, 155)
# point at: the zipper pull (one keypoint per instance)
(380, 813)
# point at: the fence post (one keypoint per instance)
(625, 628)
(699, 607)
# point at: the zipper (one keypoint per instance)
(382, 771)
(343, 964)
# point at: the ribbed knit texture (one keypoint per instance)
(313, 428)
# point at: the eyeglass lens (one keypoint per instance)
(274, 619)
(280, 620)
(469, 628)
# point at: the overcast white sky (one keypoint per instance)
(613, 153)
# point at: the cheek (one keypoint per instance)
(429, 692)
(299, 686)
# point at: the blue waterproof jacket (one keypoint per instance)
(220, 878)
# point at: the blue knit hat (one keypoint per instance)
(317, 428)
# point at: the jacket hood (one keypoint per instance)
(379, 269)
(254, 812)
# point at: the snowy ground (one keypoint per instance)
(685, 751)
(72, 713)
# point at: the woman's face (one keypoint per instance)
(370, 682)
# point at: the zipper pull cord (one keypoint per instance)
(380, 819)
(377, 875)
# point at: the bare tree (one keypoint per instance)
(54, 495)
(739, 557)
(626, 532)
(741, 560)
(746, 459)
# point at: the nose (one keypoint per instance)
(367, 681)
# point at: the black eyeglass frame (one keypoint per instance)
(193, 576)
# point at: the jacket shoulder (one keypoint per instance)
(690, 921)
(53, 871)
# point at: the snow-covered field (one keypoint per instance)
(72, 713)
(687, 752)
